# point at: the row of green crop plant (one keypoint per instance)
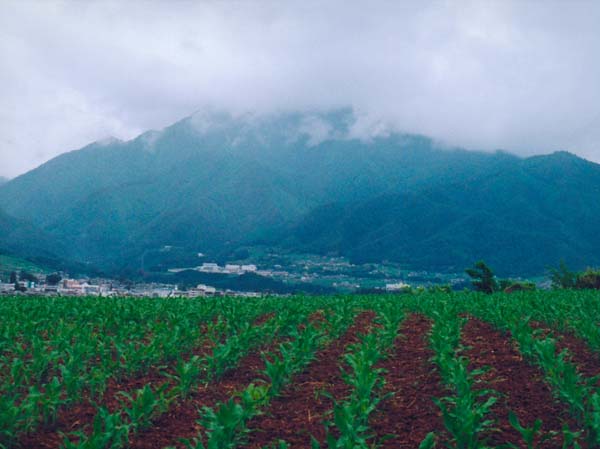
(569, 386)
(567, 311)
(117, 428)
(86, 350)
(578, 393)
(349, 426)
(60, 351)
(54, 351)
(32, 402)
(226, 425)
(114, 430)
(31, 326)
(514, 314)
(572, 311)
(466, 410)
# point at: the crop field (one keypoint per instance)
(458, 370)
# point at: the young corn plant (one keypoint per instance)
(226, 355)
(567, 384)
(15, 418)
(49, 401)
(531, 435)
(226, 424)
(145, 405)
(570, 438)
(353, 433)
(351, 416)
(390, 318)
(187, 374)
(293, 356)
(592, 420)
(278, 370)
(364, 379)
(465, 412)
(109, 431)
(429, 442)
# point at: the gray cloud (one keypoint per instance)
(518, 75)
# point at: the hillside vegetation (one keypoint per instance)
(213, 183)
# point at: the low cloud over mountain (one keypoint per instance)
(214, 183)
(521, 76)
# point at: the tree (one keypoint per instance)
(27, 276)
(589, 279)
(13, 277)
(53, 279)
(562, 277)
(482, 277)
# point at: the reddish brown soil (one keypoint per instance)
(587, 360)
(181, 420)
(410, 414)
(301, 409)
(263, 319)
(317, 318)
(76, 416)
(521, 385)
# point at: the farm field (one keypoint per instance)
(456, 370)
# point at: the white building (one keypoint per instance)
(396, 287)
(233, 268)
(7, 287)
(209, 267)
(206, 289)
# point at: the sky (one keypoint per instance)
(522, 76)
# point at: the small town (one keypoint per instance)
(55, 285)
(62, 284)
(211, 267)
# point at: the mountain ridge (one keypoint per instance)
(213, 183)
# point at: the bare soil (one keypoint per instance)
(301, 410)
(410, 414)
(520, 385)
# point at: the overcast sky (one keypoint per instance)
(522, 76)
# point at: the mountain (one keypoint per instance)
(520, 219)
(3, 180)
(20, 238)
(309, 182)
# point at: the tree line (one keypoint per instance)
(484, 280)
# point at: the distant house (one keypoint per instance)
(7, 287)
(26, 284)
(399, 286)
(233, 268)
(201, 290)
(209, 267)
(206, 289)
(89, 289)
(51, 288)
(71, 284)
(160, 293)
